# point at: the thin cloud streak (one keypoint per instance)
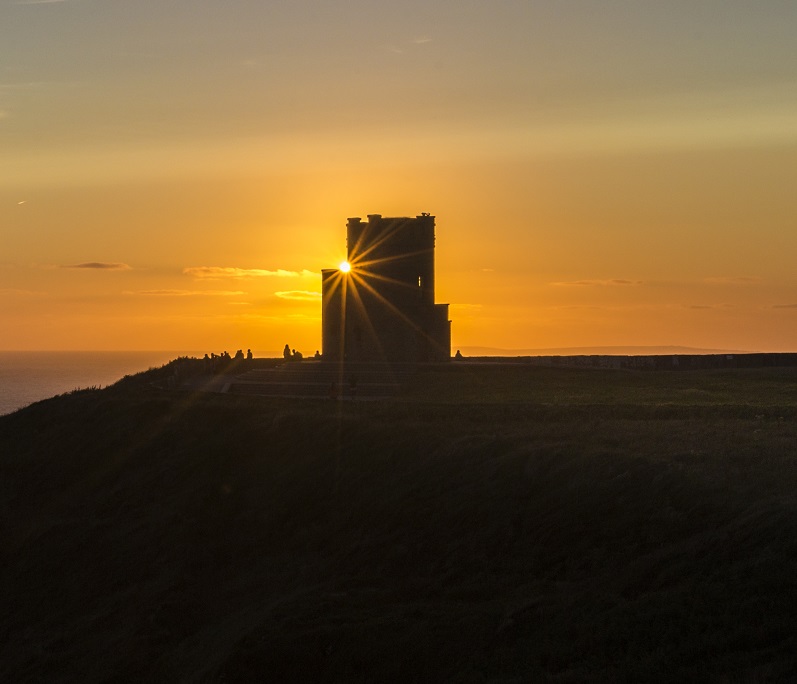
(187, 293)
(219, 272)
(713, 307)
(101, 266)
(299, 295)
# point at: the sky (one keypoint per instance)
(174, 174)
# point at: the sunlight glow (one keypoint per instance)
(344, 267)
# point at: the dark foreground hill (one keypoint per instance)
(494, 524)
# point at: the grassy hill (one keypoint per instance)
(501, 523)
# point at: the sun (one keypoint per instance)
(344, 267)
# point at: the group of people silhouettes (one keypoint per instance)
(292, 355)
(219, 362)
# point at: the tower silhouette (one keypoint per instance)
(384, 308)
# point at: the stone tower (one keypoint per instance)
(383, 309)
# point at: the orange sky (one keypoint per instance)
(175, 175)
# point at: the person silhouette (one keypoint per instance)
(286, 352)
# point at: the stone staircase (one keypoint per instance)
(318, 379)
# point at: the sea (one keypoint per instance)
(30, 376)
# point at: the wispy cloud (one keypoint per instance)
(784, 306)
(187, 293)
(419, 40)
(299, 295)
(101, 266)
(597, 283)
(219, 272)
(715, 307)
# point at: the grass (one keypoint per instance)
(487, 384)
(492, 524)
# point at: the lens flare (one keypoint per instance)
(344, 267)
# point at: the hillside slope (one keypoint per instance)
(466, 535)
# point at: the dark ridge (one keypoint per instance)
(489, 523)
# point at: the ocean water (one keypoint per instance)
(26, 377)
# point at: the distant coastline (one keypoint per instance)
(599, 351)
(30, 376)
